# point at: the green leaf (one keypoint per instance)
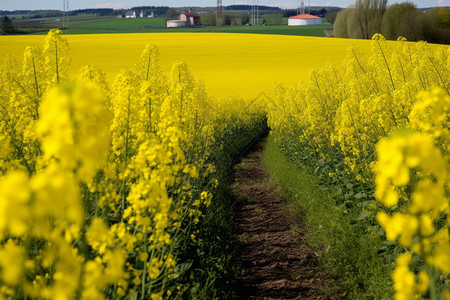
(360, 195)
(362, 215)
(183, 267)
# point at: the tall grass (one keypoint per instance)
(346, 250)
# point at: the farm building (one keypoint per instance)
(130, 15)
(187, 19)
(176, 23)
(190, 18)
(304, 19)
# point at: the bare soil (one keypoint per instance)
(272, 253)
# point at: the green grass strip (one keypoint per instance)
(312, 30)
(348, 251)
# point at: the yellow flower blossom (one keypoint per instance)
(404, 279)
(401, 226)
(15, 196)
(441, 257)
(12, 259)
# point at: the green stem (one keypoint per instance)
(144, 272)
(439, 74)
(56, 61)
(387, 65)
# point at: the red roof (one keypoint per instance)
(304, 16)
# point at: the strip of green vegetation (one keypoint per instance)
(124, 23)
(312, 30)
(43, 25)
(53, 22)
(214, 273)
(347, 250)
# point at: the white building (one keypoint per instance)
(304, 19)
(130, 14)
(190, 18)
(176, 23)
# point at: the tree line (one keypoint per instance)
(249, 7)
(210, 19)
(102, 12)
(157, 10)
(6, 26)
(367, 17)
(313, 10)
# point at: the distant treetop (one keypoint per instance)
(249, 7)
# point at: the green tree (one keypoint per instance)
(368, 15)
(432, 26)
(245, 18)
(273, 19)
(437, 25)
(393, 18)
(6, 25)
(331, 17)
(340, 27)
(361, 20)
(412, 26)
(208, 19)
(355, 28)
(170, 14)
(227, 20)
(443, 17)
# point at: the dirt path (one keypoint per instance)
(329, 32)
(276, 263)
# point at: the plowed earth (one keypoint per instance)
(275, 262)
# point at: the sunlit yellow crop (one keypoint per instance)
(382, 118)
(229, 64)
(109, 146)
(103, 186)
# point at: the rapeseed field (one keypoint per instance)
(229, 64)
(114, 149)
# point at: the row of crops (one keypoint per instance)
(104, 188)
(111, 190)
(378, 127)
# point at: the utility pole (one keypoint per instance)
(65, 17)
(67, 13)
(255, 12)
(252, 13)
(63, 13)
(219, 13)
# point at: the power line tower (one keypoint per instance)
(219, 13)
(255, 12)
(65, 18)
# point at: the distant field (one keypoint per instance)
(124, 23)
(229, 64)
(312, 30)
(44, 24)
(91, 24)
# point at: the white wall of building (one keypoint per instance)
(175, 23)
(300, 22)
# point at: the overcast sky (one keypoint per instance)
(79, 4)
